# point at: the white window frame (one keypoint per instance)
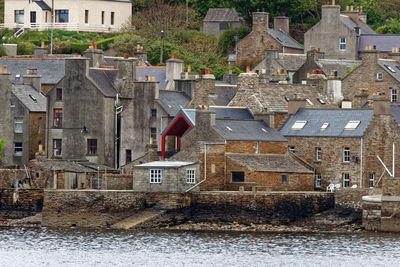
(318, 152)
(299, 125)
(352, 125)
(346, 180)
(393, 95)
(18, 125)
(324, 126)
(191, 176)
(19, 153)
(372, 179)
(318, 180)
(57, 152)
(379, 76)
(342, 43)
(346, 154)
(155, 176)
(292, 149)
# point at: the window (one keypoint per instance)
(18, 123)
(102, 17)
(33, 16)
(153, 136)
(346, 154)
(12, 103)
(318, 180)
(190, 176)
(393, 97)
(155, 176)
(346, 180)
(284, 179)
(237, 177)
(352, 125)
(18, 149)
(62, 15)
(112, 18)
(324, 126)
(128, 154)
(309, 102)
(223, 26)
(379, 76)
(92, 146)
(291, 149)
(298, 125)
(154, 113)
(371, 180)
(342, 44)
(59, 94)
(19, 16)
(57, 120)
(86, 16)
(57, 144)
(318, 153)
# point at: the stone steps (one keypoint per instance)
(137, 219)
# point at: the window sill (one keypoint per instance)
(378, 80)
(346, 162)
(92, 155)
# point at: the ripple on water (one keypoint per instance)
(38, 247)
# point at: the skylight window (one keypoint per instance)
(324, 126)
(398, 67)
(390, 68)
(321, 101)
(352, 125)
(33, 98)
(229, 128)
(298, 125)
(309, 102)
(264, 130)
(287, 99)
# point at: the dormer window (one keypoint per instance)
(352, 125)
(342, 44)
(299, 125)
(379, 76)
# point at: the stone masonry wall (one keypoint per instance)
(28, 203)
(8, 176)
(351, 198)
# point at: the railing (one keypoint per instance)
(64, 26)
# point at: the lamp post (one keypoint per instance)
(162, 46)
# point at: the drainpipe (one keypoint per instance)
(118, 110)
(205, 165)
(361, 163)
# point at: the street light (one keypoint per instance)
(162, 45)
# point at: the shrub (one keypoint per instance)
(227, 41)
(25, 48)
(126, 43)
(78, 48)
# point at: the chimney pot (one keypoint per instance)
(248, 69)
(5, 68)
(125, 56)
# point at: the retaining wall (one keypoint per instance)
(28, 202)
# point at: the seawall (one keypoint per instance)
(27, 202)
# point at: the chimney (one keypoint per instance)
(370, 56)
(282, 23)
(32, 78)
(248, 81)
(175, 67)
(40, 52)
(381, 107)
(260, 21)
(330, 14)
(75, 67)
(205, 120)
(204, 87)
(270, 55)
(127, 74)
(95, 56)
(295, 105)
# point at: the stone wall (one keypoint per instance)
(8, 176)
(117, 182)
(351, 198)
(26, 202)
(258, 208)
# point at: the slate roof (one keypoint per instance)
(383, 42)
(337, 119)
(33, 100)
(339, 65)
(166, 164)
(159, 73)
(393, 65)
(364, 28)
(282, 163)
(223, 93)
(395, 110)
(70, 166)
(42, 5)
(246, 130)
(173, 101)
(222, 15)
(104, 79)
(284, 39)
(51, 70)
(288, 62)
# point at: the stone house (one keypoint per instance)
(251, 49)
(338, 68)
(242, 154)
(72, 15)
(343, 144)
(270, 101)
(219, 20)
(81, 114)
(374, 77)
(166, 176)
(337, 34)
(24, 121)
